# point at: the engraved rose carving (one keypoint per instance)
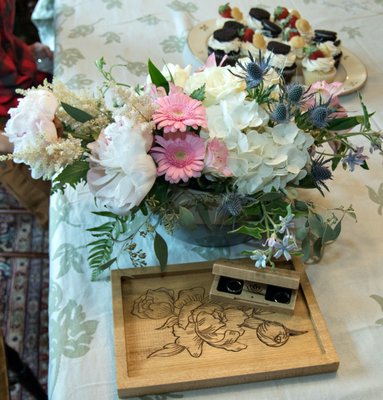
(155, 304)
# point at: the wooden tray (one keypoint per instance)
(170, 337)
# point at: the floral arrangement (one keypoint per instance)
(235, 139)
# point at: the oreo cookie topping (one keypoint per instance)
(237, 26)
(278, 47)
(322, 35)
(225, 35)
(259, 13)
(271, 29)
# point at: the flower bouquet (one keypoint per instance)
(236, 141)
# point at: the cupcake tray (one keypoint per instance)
(351, 71)
(170, 336)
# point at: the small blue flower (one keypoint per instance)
(284, 248)
(354, 158)
(286, 223)
(260, 260)
(270, 242)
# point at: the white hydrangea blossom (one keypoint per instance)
(275, 157)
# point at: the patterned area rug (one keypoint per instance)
(24, 291)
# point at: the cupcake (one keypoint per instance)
(225, 42)
(271, 29)
(297, 44)
(282, 59)
(305, 30)
(252, 42)
(317, 67)
(329, 44)
(227, 13)
(255, 18)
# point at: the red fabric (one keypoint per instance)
(17, 64)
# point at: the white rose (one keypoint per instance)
(121, 173)
(219, 83)
(175, 73)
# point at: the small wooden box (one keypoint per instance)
(169, 336)
(271, 289)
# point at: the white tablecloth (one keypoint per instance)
(348, 282)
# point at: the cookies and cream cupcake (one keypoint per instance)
(297, 44)
(282, 59)
(225, 42)
(317, 67)
(253, 43)
(328, 43)
(305, 30)
(255, 18)
(271, 30)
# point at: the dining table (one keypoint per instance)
(347, 281)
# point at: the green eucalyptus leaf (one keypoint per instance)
(301, 233)
(161, 250)
(331, 234)
(317, 248)
(316, 224)
(156, 76)
(306, 248)
(187, 218)
(76, 113)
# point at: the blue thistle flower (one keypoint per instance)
(231, 204)
(280, 114)
(318, 116)
(294, 92)
(254, 72)
(320, 173)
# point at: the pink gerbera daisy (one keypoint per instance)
(180, 156)
(177, 111)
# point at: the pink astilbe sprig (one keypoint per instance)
(178, 111)
(180, 156)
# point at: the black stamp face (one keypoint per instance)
(230, 285)
(278, 294)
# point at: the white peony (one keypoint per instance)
(123, 124)
(121, 172)
(33, 116)
(219, 83)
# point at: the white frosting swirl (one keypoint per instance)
(280, 61)
(329, 49)
(227, 47)
(248, 46)
(254, 24)
(324, 64)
